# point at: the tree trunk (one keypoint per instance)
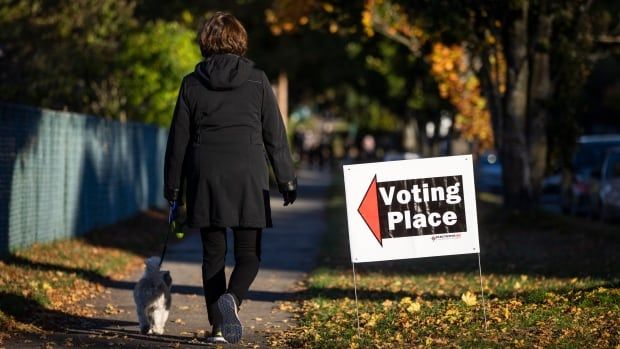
(539, 93)
(281, 90)
(490, 88)
(514, 152)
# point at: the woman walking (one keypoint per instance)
(226, 124)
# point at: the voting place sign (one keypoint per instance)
(411, 208)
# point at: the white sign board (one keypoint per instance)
(411, 208)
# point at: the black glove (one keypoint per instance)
(172, 195)
(289, 196)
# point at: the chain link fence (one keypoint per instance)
(63, 174)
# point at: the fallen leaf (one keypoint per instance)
(414, 307)
(469, 298)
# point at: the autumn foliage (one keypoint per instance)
(451, 67)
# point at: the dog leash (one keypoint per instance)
(171, 216)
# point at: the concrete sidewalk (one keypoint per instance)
(288, 253)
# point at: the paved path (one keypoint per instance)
(289, 252)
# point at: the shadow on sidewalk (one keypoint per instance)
(126, 337)
(26, 310)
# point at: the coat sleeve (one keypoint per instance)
(276, 143)
(178, 138)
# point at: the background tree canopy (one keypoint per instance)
(125, 59)
(525, 77)
(93, 57)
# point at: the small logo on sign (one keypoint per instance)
(446, 236)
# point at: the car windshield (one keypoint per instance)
(612, 167)
(590, 155)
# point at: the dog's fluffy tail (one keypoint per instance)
(152, 264)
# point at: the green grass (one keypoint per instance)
(549, 281)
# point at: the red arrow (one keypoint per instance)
(369, 210)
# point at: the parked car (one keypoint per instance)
(577, 179)
(605, 187)
(551, 184)
(488, 173)
(550, 190)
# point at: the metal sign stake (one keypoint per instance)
(357, 315)
(484, 308)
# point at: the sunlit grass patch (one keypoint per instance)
(397, 311)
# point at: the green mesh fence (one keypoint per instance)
(63, 174)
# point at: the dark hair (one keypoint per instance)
(222, 33)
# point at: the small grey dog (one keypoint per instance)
(152, 297)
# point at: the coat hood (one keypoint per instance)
(224, 71)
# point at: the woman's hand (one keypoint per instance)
(289, 196)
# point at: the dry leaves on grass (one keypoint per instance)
(534, 317)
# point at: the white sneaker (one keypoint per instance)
(231, 325)
(216, 337)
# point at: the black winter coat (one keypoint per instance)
(225, 128)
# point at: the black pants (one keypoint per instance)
(247, 258)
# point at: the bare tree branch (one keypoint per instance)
(410, 42)
(608, 39)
